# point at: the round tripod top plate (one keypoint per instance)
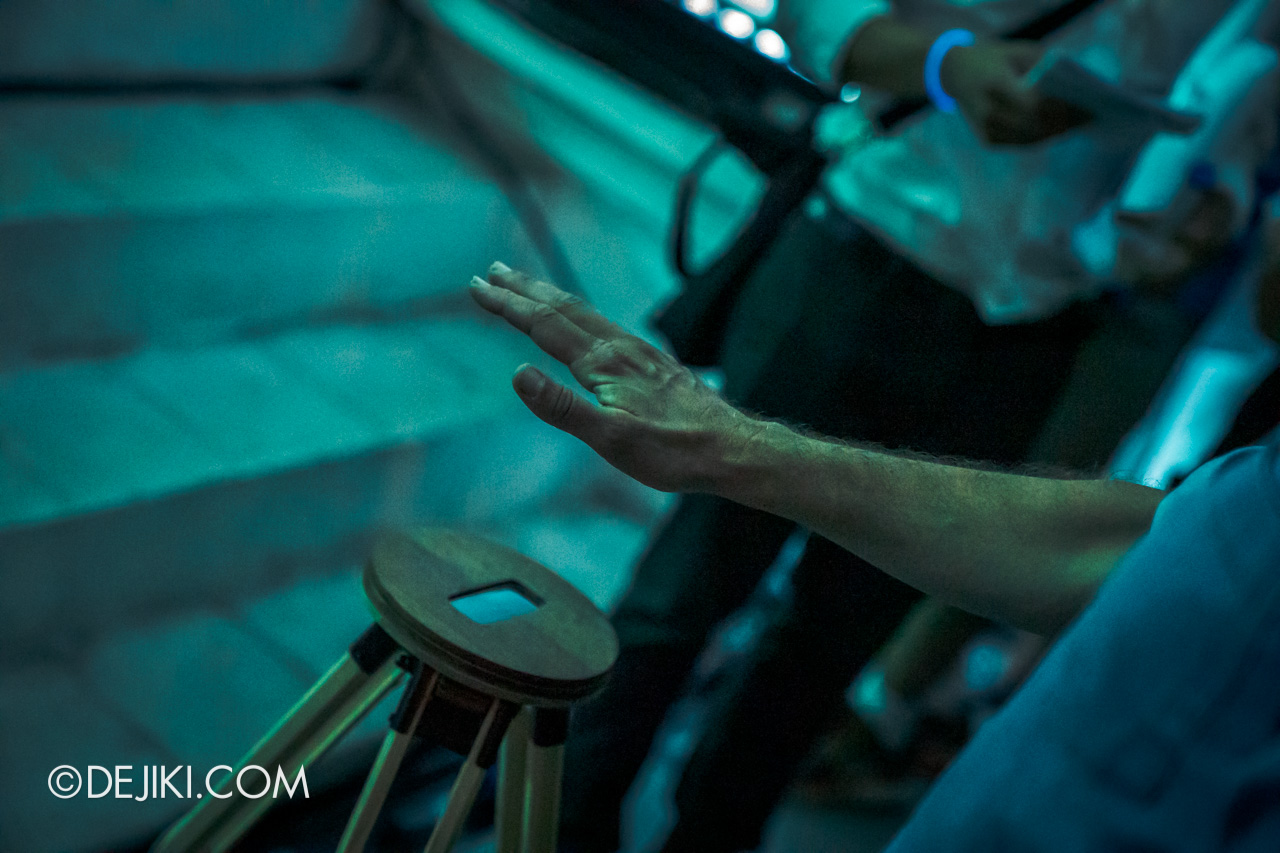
(489, 617)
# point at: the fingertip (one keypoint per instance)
(528, 381)
(499, 268)
(484, 294)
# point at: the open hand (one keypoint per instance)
(652, 419)
(986, 79)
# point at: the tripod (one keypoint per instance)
(496, 648)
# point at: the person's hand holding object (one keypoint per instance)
(652, 419)
(986, 79)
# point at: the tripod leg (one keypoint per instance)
(509, 812)
(338, 701)
(546, 766)
(406, 718)
(484, 751)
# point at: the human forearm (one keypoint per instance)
(889, 55)
(1025, 550)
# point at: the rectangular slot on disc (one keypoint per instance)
(496, 603)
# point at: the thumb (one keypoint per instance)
(555, 404)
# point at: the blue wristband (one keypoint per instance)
(933, 67)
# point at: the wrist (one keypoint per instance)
(771, 467)
(952, 72)
(744, 459)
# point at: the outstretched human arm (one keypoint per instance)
(1025, 550)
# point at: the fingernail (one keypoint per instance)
(499, 267)
(478, 282)
(529, 381)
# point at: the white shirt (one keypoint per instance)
(997, 223)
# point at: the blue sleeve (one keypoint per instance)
(1154, 722)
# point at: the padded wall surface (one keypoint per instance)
(80, 40)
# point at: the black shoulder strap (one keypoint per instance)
(1051, 21)
(1036, 29)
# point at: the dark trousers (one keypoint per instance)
(838, 333)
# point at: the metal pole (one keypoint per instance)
(546, 768)
(408, 714)
(484, 751)
(339, 700)
(509, 810)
